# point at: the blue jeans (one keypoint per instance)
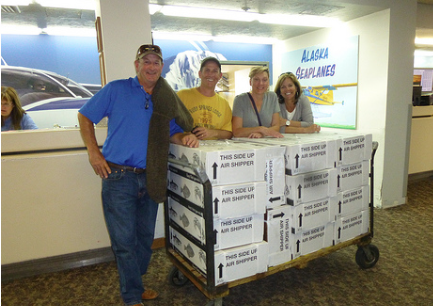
(130, 215)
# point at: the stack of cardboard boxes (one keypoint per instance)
(273, 200)
(327, 194)
(351, 205)
(236, 172)
(303, 224)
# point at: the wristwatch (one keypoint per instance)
(287, 122)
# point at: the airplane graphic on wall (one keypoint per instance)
(324, 95)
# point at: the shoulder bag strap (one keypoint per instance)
(255, 108)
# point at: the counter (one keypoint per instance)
(421, 141)
(51, 198)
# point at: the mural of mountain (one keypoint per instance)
(183, 68)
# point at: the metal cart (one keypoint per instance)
(184, 270)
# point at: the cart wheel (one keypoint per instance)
(176, 278)
(367, 256)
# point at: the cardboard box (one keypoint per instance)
(237, 231)
(237, 263)
(351, 201)
(355, 149)
(274, 172)
(228, 232)
(310, 186)
(353, 176)
(184, 182)
(227, 200)
(312, 214)
(351, 148)
(278, 234)
(303, 155)
(187, 217)
(189, 250)
(351, 226)
(310, 240)
(230, 264)
(223, 161)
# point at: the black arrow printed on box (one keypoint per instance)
(299, 191)
(214, 166)
(297, 161)
(339, 207)
(340, 151)
(274, 199)
(297, 246)
(300, 220)
(279, 215)
(216, 205)
(220, 269)
(215, 233)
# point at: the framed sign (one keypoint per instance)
(328, 74)
(99, 34)
(102, 69)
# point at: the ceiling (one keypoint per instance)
(344, 10)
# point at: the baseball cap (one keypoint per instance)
(148, 49)
(212, 59)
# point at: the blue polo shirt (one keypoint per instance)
(129, 109)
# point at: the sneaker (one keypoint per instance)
(149, 294)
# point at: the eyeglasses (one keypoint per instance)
(148, 48)
(7, 104)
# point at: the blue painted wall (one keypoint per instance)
(74, 57)
(77, 57)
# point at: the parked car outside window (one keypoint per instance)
(50, 99)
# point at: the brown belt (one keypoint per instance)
(127, 168)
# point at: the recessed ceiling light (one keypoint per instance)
(243, 16)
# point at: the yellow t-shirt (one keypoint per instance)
(210, 112)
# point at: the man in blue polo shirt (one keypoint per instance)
(144, 115)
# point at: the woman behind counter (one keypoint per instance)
(14, 117)
(256, 114)
(295, 109)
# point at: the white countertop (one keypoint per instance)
(46, 139)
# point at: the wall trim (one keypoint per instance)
(62, 262)
(420, 176)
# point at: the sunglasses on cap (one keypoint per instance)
(289, 73)
(149, 49)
